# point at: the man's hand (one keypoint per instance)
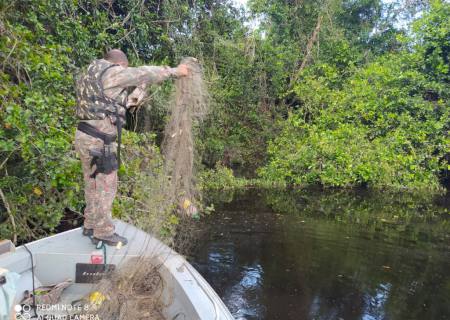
(182, 70)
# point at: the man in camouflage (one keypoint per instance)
(124, 86)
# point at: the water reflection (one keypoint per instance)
(242, 297)
(328, 256)
(375, 303)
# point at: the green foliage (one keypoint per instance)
(220, 178)
(380, 124)
(38, 178)
(236, 131)
(378, 130)
(433, 41)
(250, 71)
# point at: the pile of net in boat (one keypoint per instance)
(188, 106)
(132, 292)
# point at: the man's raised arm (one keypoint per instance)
(120, 77)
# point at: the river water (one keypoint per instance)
(327, 255)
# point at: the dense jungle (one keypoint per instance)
(336, 94)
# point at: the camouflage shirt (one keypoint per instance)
(118, 78)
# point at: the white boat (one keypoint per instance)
(185, 295)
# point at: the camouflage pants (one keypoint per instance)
(99, 191)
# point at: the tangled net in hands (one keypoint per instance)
(188, 106)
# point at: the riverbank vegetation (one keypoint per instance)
(331, 93)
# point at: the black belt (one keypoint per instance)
(94, 132)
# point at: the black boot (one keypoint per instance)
(111, 240)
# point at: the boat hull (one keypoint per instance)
(186, 294)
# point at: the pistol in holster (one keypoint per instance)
(105, 160)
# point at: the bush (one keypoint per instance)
(220, 178)
(379, 130)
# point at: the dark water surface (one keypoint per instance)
(328, 255)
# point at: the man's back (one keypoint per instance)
(119, 83)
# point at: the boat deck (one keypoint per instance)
(55, 258)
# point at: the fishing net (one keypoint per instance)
(188, 106)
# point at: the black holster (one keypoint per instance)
(105, 161)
